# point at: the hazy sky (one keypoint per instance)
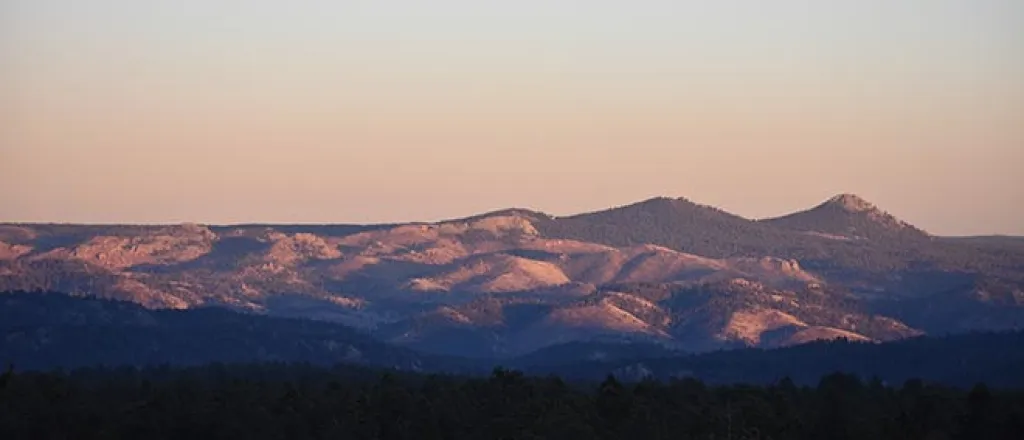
(360, 111)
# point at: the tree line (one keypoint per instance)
(298, 401)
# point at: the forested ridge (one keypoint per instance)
(51, 330)
(43, 331)
(921, 388)
(686, 226)
(278, 401)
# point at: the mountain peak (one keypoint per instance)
(851, 202)
(848, 215)
(665, 201)
(667, 208)
(523, 213)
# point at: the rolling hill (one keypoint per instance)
(664, 271)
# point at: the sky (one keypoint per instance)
(217, 111)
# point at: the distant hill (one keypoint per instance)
(674, 223)
(667, 271)
(844, 234)
(849, 217)
(988, 241)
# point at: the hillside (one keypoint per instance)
(665, 271)
(50, 330)
(674, 223)
(819, 238)
(848, 217)
(43, 331)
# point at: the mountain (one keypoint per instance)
(849, 217)
(819, 238)
(886, 257)
(665, 271)
(674, 223)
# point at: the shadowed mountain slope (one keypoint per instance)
(51, 330)
(667, 271)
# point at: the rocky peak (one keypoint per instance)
(858, 217)
(851, 203)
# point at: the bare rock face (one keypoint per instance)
(773, 328)
(748, 326)
(602, 316)
(493, 273)
(166, 246)
(851, 203)
(297, 248)
(775, 270)
(151, 297)
(13, 251)
(503, 226)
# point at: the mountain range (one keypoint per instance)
(665, 271)
(44, 331)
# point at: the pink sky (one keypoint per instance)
(131, 113)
